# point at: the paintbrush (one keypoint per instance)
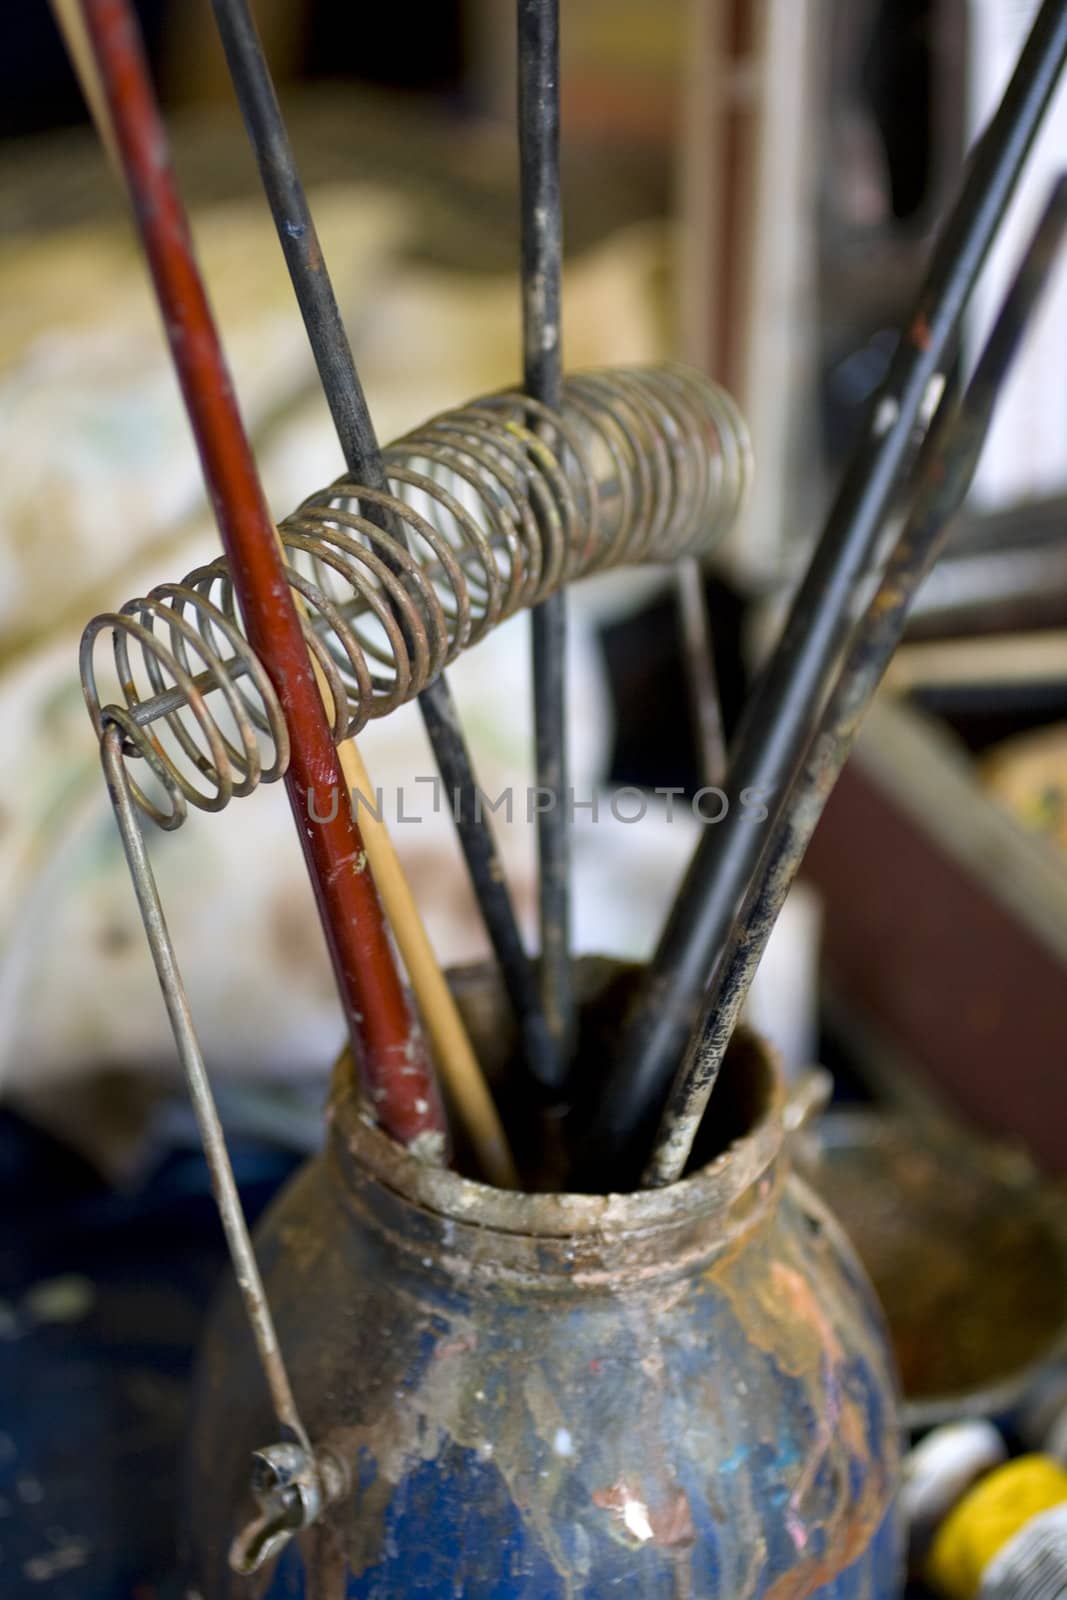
(344, 394)
(779, 716)
(541, 258)
(387, 1045)
(946, 467)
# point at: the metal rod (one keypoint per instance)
(538, 50)
(705, 705)
(387, 1046)
(355, 430)
(214, 1142)
(772, 737)
(946, 467)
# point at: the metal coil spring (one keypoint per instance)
(492, 508)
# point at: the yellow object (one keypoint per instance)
(987, 1517)
(71, 24)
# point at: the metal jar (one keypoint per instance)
(684, 1392)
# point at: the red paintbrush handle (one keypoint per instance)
(386, 1042)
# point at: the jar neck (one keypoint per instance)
(473, 1234)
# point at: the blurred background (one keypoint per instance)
(751, 185)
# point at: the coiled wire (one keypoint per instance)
(492, 508)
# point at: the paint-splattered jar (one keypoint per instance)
(684, 1392)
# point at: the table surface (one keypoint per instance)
(102, 1297)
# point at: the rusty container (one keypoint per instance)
(683, 1392)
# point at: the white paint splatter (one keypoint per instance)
(635, 1516)
(563, 1444)
(67, 1558)
(884, 417)
(429, 1146)
(932, 398)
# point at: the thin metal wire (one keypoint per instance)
(770, 743)
(541, 253)
(191, 1056)
(355, 430)
(946, 467)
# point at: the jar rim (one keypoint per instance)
(712, 1190)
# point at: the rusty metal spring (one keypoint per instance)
(494, 506)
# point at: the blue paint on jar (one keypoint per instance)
(685, 1392)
